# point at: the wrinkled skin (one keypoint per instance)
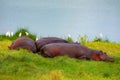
(74, 51)
(25, 43)
(47, 40)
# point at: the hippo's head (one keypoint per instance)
(102, 56)
(11, 46)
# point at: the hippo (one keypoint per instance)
(74, 51)
(47, 40)
(25, 43)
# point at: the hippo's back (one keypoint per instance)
(59, 49)
(47, 40)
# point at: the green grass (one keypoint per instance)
(25, 65)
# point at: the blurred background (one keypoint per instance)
(62, 18)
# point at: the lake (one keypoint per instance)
(62, 17)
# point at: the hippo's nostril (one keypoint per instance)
(9, 47)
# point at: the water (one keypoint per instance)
(63, 17)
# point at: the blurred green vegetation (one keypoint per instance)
(97, 39)
(22, 31)
(69, 39)
(24, 65)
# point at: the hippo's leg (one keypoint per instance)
(82, 57)
(46, 54)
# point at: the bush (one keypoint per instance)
(23, 31)
(69, 39)
(2, 37)
(82, 39)
(97, 39)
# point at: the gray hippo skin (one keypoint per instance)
(47, 40)
(25, 43)
(74, 51)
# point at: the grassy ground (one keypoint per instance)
(24, 65)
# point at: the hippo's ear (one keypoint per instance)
(103, 52)
(100, 52)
